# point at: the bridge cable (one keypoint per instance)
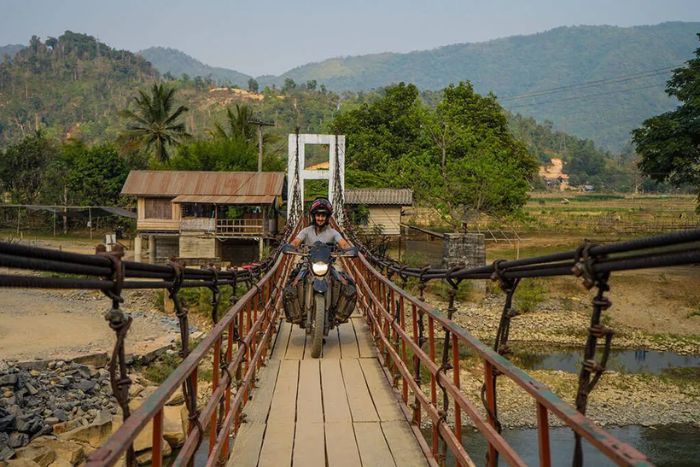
(120, 323)
(591, 369)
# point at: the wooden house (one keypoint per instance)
(378, 209)
(204, 216)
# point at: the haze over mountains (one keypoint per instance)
(596, 82)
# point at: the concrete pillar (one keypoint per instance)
(464, 249)
(151, 249)
(138, 247)
(261, 246)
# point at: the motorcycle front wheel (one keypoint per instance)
(319, 324)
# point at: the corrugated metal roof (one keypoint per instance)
(219, 199)
(370, 196)
(174, 183)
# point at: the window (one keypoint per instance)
(158, 208)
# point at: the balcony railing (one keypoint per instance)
(240, 227)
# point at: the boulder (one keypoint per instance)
(22, 463)
(42, 455)
(17, 440)
(172, 427)
(177, 398)
(144, 457)
(94, 434)
(67, 451)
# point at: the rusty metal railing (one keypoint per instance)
(409, 351)
(242, 338)
(236, 347)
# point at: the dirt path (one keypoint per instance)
(45, 324)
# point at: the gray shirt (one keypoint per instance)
(308, 235)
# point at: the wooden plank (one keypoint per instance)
(403, 444)
(246, 445)
(258, 408)
(364, 338)
(341, 447)
(295, 349)
(331, 349)
(281, 341)
(381, 391)
(309, 403)
(284, 399)
(361, 406)
(348, 341)
(278, 444)
(372, 445)
(308, 444)
(335, 401)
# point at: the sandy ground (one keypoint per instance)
(46, 324)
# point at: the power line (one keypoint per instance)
(585, 96)
(595, 83)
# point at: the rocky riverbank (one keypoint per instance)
(56, 413)
(618, 399)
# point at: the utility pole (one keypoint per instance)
(260, 125)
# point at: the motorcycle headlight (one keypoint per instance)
(319, 268)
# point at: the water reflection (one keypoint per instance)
(668, 446)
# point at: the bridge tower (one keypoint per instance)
(297, 173)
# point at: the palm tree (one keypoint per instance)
(240, 125)
(153, 125)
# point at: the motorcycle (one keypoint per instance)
(319, 297)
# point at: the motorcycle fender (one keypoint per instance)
(320, 286)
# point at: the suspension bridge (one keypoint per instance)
(390, 388)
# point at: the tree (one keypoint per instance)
(253, 85)
(238, 123)
(98, 175)
(289, 84)
(22, 167)
(154, 124)
(459, 158)
(669, 144)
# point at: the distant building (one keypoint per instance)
(379, 208)
(554, 175)
(204, 216)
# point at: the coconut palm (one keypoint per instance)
(153, 124)
(240, 124)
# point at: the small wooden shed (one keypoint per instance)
(379, 208)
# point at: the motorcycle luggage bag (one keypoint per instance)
(292, 303)
(345, 300)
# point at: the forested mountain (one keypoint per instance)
(75, 87)
(177, 63)
(10, 50)
(605, 111)
(71, 85)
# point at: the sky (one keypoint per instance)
(271, 37)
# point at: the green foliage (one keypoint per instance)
(154, 124)
(670, 143)
(93, 175)
(216, 154)
(69, 86)
(22, 167)
(159, 370)
(459, 157)
(530, 293)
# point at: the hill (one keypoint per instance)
(9, 50)
(177, 63)
(73, 85)
(565, 57)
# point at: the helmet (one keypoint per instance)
(321, 205)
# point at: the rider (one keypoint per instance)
(321, 211)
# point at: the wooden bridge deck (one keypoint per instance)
(337, 411)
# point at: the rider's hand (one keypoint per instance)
(287, 248)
